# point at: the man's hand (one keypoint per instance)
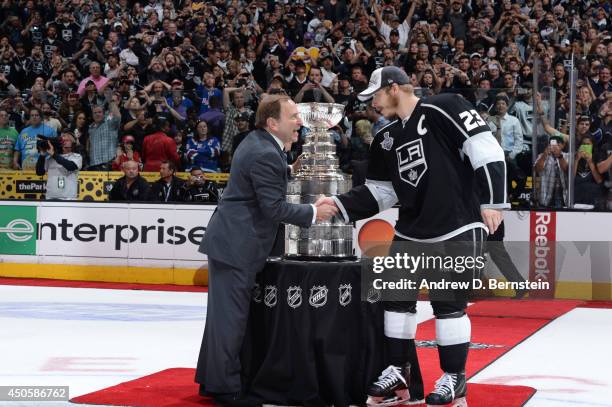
(492, 218)
(325, 200)
(326, 208)
(51, 149)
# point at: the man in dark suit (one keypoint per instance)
(239, 238)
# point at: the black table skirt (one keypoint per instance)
(322, 349)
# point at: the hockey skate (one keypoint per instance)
(391, 389)
(450, 391)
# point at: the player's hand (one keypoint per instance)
(326, 208)
(492, 218)
(51, 149)
(326, 212)
(325, 200)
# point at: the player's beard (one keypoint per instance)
(393, 102)
(391, 109)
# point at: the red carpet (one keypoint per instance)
(497, 326)
(596, 304)
(42, 282)
(175, 388)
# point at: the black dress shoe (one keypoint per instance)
(203, 392)
(520, 293)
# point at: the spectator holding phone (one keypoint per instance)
(312, 91)
(587, 179)
(197, 189)
(95, 76)
(126, 152)
(552, 166)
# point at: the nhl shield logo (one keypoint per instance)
(257, 293)
(374, 295)
(387, 143)
(294, 296)
(411, 162)
(318, 296)
(270, 296)
(345, 294)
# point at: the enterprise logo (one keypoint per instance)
(18, 230)
(118, 234)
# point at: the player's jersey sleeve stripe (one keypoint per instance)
(496, 206)
(491, 179)
(482, 149)
(448, 117)
(342, 208)
(358, 203)
(383, 192)
(490, 185)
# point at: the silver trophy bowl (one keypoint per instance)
(320, 115)
(319, 176)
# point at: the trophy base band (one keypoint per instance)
(327, 259)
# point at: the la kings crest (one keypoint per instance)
(411, 162)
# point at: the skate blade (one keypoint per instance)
(414, 402)
(460, 402)
(401, 397)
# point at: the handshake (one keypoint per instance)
(326, 208)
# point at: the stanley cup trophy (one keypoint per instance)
(319, 176)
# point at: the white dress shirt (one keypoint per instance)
(282, 147)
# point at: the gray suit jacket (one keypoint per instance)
(242, 230)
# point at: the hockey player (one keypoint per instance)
(439, 159)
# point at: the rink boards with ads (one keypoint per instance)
(139, 243)
(155, 243)
(572, 250)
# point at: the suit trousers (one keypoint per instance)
(229, 299)
(501, 257)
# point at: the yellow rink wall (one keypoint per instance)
(93, 185)
(112, 274)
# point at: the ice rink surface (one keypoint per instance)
(90, 339)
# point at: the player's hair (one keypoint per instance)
(406, 88)
(269, 107)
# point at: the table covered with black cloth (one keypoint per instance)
(310, 339)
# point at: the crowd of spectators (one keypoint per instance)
(179, 80)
